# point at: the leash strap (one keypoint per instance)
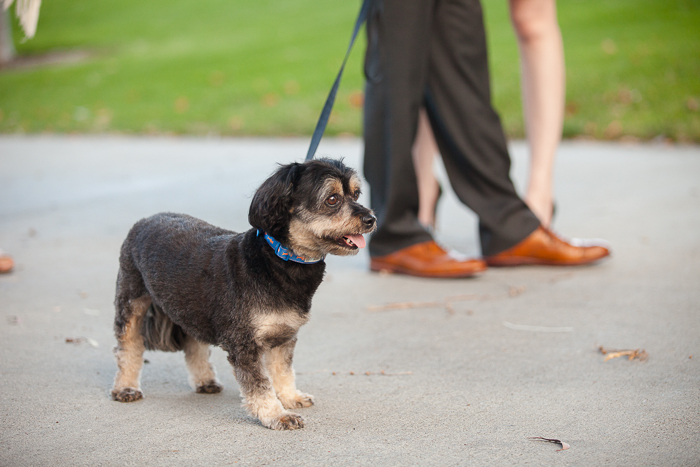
(326, 112)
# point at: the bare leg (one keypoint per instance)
(129, 353)
(543, 88)
(202, 375)
(424, 150)
(279, 366)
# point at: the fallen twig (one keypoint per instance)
(446, 303)
(352, 373)
(405, 306)
(564, 446)
(525, 327)
(639, 354)
(80, 340)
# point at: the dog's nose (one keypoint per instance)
(369, 220)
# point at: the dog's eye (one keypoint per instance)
(356, 195)
(332, 200)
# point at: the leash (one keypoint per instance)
(330, 100)
(280, 250)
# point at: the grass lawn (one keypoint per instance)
(232, 67)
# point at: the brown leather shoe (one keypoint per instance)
(427, 259)
(544, 247)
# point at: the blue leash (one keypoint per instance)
(326, 112)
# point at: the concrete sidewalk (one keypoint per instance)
(464, 381)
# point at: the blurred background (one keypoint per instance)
(263, 68)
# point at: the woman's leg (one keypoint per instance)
(543, 88)
(424, 150)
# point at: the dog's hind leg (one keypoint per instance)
(129, 349)
(202, 374)
(278, 361)
(258, 393)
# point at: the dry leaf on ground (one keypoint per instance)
(631, 354)
(564, 446)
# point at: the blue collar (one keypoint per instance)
(284, 253)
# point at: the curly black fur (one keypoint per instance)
(185, 283)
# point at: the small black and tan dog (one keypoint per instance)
(184, 284)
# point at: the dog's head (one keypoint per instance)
(312, 209)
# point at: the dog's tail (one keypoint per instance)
(160, 333)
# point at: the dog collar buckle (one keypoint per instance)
(284, 253)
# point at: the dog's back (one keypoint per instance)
(177, 260)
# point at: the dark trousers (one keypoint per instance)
(432, 53)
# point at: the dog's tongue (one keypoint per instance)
(358, 240)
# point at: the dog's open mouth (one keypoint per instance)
(352, 241)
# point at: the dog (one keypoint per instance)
(184, 284)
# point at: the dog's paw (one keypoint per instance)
(210, 387)
(127, 395)
(288, 421)
(299, 400)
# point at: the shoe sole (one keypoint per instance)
(392, 269)
(525, 261)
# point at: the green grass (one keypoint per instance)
(233, 67)
(633, 68)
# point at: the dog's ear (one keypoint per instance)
(271, 207)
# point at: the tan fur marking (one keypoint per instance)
(331, 186)
(268, 325)
(130, 348)
(269, 407)
(279, 367)
(355, 183)
(201, 372)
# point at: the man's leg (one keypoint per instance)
(396, 63)
(468, 130)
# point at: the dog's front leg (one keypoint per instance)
(278, 361)
(258, 393)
